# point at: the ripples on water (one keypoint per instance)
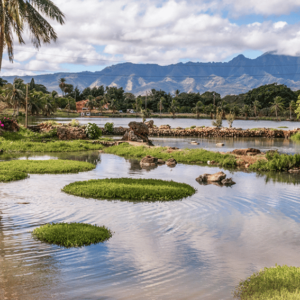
(197, 248)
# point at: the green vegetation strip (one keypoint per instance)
(72, 234)
(46, 166)
(28, 141)
(280, 282)
(277, 162)
(130, 189)
(184, 156)
(6, 176)
(296, 137)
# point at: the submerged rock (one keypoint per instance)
(253, 151)
(160, 162)
(227, 181)
(220, 144)
(217, 177)
(171, 162)
(148, 161)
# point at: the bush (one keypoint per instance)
(230, 118)
(72, 234)
(130, 189)
(218, 121)
(74, 123)
(109, 127)
(296, 137)
(93, 131)
(280, 282)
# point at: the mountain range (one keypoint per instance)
(237, 76)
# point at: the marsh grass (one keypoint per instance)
(28, 141)
(6, 176)
(277, 162)
(72, 234)
(282, 127)
(279, 282)
(296, 137)
(130, 189)
(46, 166)
(184, 156)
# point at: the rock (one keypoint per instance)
(245, 151)
(194, 143)
(160, 162)
(148, 161)
(138, 131)
(247, 166)
(220, 144)
(217, 177)
(164, 127)
(150, 124)
(227, 181)
(71, 133)
(211, 162)
(294, 171)
(171, 162)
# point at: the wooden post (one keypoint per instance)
(26, 107)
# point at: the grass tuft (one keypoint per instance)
(130, 189)
(296, 137)
(45, 166)
(279, 282)
(184, 156)
(72, 234)
(6, 176)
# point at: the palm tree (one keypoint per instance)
(292, 107)
(198, 108)
(277, 105)
(15, 95)
(246, 110)
(62, 84)
(173, 107)
(48, 105)
(177, 92)
(160, 104)
(256, 106)
(35, 104)
(16, 15)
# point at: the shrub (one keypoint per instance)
(109, 127)
(93, 131)
(296, 137)
(55, 166)
(230, 118)
(130, 189)
(279, 282)
(72, 234)
(218, 121)
(74, 123)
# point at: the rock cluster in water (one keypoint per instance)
(151, 161)
(219, 178)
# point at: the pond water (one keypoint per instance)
(244, 124)
(196, 248)
(264, 144)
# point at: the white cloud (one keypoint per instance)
(159, 32)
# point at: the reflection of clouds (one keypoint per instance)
(196, 248)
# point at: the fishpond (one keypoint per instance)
(199, 247)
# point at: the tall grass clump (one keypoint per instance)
(6, 176)
(50, 122)
(55, 166)
(296, 137)
(130, 189)
(279, 282)
(183, 156)
(72, 234)
(74, 123)
(277, 162)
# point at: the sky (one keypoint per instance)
(100, 33)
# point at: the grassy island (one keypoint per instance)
(182, 156)
(72, 234)
(280, 282)
(6, 176)
(53, 166)
(130, 189)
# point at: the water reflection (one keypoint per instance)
(197, 248)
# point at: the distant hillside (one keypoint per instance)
(237, 76)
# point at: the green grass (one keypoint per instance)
(46, 166)
(184, 156)
(130, 189)
(280, 282)
(28, 141)
(282, 127)
(6, 176)
(277, 162)
(296, 137)
(72, 234)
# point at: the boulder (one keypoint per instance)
(246, 151)
(150, 124)
(171, 162)
(160, 162)
(194, 143)
(71, 133)
(138, 132)
(220, 144)
(227, 181)
(148, 161)
(217, 177)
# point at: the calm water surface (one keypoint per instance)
(197, 248)
(177, 122)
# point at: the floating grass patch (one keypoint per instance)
(130, 189)
(280, 282)
(182, 156)
(277, 162)
(6, 176)
(46, 166)
(72, 234)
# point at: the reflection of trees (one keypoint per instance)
(283, 177)
(23, 274)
